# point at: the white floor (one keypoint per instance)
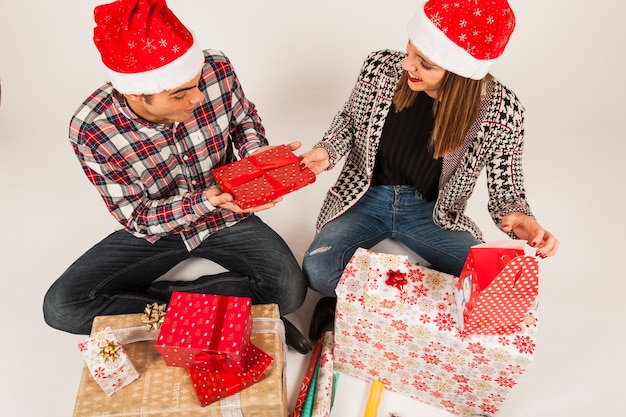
(298, 63)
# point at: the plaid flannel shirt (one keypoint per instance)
(153, 177)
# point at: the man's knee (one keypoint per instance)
(51, 311)
(58, 316)
(294, 293)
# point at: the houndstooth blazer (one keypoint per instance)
(494, 142)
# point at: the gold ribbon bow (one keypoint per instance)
(110, 351)
(153, 316)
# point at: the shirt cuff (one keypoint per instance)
(201, 205)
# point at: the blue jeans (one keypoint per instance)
(384, 212)
(115, 276)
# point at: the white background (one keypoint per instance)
(298, 61)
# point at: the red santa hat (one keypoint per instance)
(462, 36)
(144, 46)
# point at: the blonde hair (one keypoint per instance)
(456, 108)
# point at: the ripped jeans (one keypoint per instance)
(384, 212)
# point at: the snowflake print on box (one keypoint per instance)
(408, 338)
(107, 361)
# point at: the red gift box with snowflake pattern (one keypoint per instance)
(206, 331)
(263, 177)
(397, 322)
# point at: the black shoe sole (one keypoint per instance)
(323, 318)
(295, 339)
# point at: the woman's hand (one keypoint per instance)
(527, 228)
(317, 160)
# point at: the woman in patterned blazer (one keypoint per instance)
(416, 132)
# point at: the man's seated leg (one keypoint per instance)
(110, 278)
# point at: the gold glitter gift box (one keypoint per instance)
(163, 390)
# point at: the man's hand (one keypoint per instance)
(218, 198)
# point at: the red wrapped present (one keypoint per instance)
(263, 177)
(212, 386)
(206, 331)
(496, 288)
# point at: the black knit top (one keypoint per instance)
(404, 157)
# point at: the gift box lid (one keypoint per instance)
(206, 331)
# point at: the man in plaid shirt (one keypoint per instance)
(148, 142)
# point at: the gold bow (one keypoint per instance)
(153, 316)
(110, 351)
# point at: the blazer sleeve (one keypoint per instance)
(505, 180)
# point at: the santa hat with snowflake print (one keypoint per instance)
(144, 46)
(462, 36)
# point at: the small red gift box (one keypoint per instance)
(262, 177)
(206, 331)
(496, 288)
(212, 386)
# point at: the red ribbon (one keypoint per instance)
(216, 360)
(261, 168)
(396, 279)
(220, 317)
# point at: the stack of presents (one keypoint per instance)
(457, 343)
(206, 355)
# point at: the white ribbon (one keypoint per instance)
(135, 334)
